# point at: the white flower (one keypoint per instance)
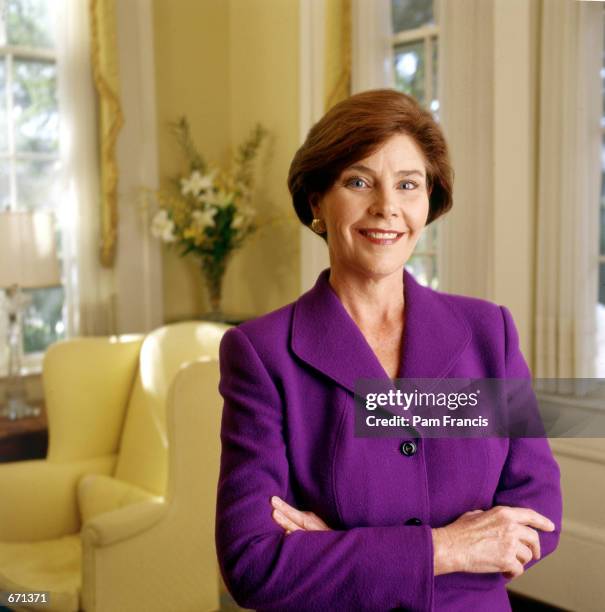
(162, 226)
(237, 221)
(210, 197)
(204, 218)
(248, 211)
(220, 199)
(197, 182)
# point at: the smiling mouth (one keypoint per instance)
(381, 237)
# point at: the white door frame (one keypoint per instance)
(313, 251)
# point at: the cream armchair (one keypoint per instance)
(104, 522)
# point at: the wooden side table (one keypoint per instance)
(24, 438)
(228, 318)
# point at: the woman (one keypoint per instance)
(311, 517)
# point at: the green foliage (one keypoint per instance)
(41, 318)
(409, 14)
(182, 132)
(35, 87)
(29, 22)
(245, 156)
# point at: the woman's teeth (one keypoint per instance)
(382, 235)
(379, 237)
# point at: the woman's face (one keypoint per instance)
(376, 209)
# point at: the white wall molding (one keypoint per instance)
(511, 279)
(581, 531)
(571, 577)
(486, 63)
(569, 449)
(139, 262)
(372, 52)
(313, 251)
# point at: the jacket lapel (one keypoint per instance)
(326, 337)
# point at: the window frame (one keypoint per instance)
(428, 35)
(31, 363)
(600, 356)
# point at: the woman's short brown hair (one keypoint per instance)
(352, 130)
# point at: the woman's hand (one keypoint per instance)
(292, 519)
(500, 539)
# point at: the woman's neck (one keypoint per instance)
(370, 301)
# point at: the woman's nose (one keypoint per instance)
(383, 206)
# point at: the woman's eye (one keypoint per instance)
(356, 182)
(409, 183)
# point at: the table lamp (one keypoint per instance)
(28, 259)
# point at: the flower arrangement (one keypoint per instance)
(207, 212)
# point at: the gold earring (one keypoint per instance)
(318, 226)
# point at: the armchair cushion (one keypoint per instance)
(38, 499)
(46, 565)
(98, 494)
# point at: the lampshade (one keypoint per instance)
(28, 254)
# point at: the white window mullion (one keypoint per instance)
(30, 156)
(12, 173)
(601, 258)
(7, 107)
(3, 10)
(415, 35)
(29, 52)
(428, 70)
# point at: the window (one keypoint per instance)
(29, 147)
(600, 367)
(414, 40)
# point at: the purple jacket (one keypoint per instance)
(288, 382)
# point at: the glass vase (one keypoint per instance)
(213, 273)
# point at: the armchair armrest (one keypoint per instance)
(171, 543)
(39, 500)
(122, 524)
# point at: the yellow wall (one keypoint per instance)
(227, 64)
(337, 51)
